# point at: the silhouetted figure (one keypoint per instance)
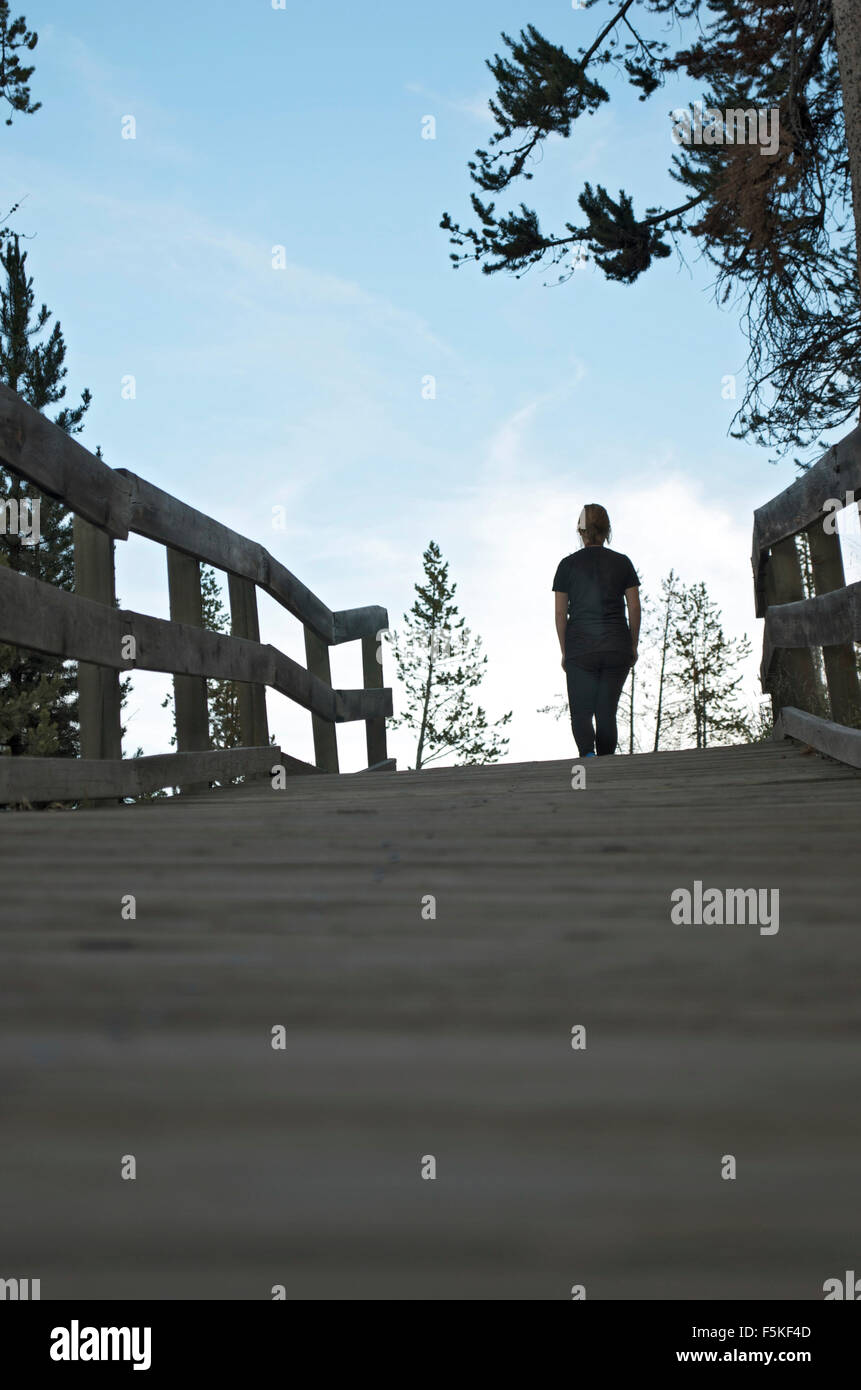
(598, 647)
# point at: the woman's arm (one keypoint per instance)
(561, 614)
(632, 598)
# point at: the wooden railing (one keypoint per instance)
(825, 716)
(106, 641)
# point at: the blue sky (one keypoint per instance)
(302, 387)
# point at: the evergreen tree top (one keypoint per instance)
(776, 225)
(16, 39)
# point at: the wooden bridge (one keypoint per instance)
(290, 1001)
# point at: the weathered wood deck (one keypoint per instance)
(451, 1037)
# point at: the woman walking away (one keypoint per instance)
(598, 647)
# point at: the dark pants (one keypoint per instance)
(593, 694)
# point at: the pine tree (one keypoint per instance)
(38, 694)
(636, 698)
(775, 218)
(222, 696)
(704, 670)
(15, 39)
(440, 663)
(847, 31)
(660, 630)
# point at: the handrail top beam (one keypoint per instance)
(119, 502)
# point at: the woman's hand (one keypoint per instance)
(633, 655)
(563, 663)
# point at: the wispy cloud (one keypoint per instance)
(116, 92)
(476, 107)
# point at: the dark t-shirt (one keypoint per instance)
(595, 580)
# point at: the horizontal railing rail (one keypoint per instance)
(61, 624)
(802, 504)
(800, 590)
(120, 503)
(86, 626)
(102, 779)
(826, 620)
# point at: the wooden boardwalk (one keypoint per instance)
(449, 1037)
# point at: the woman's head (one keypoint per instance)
(593, 525)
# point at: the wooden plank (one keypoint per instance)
(163, 518)
(45, 619)
(212, 765)
(325, 737)
(363, 704)
(824, 735)
(306, 689)
(70, 779)
(790, 676)
(58, 465)
(826, 620)
(353, 623)
(372, 675)
(99, 695)
(800, 504)
(296, 597)
(450, 1036)
(253, 724)
(251, 787)
(841, 670)
(119, 501)
(295, 767)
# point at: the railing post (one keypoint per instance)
(186, 606)
(244, 622)
(325, 737)
(372, 679)
(794, 679)
(840, 669)
(99, 696)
